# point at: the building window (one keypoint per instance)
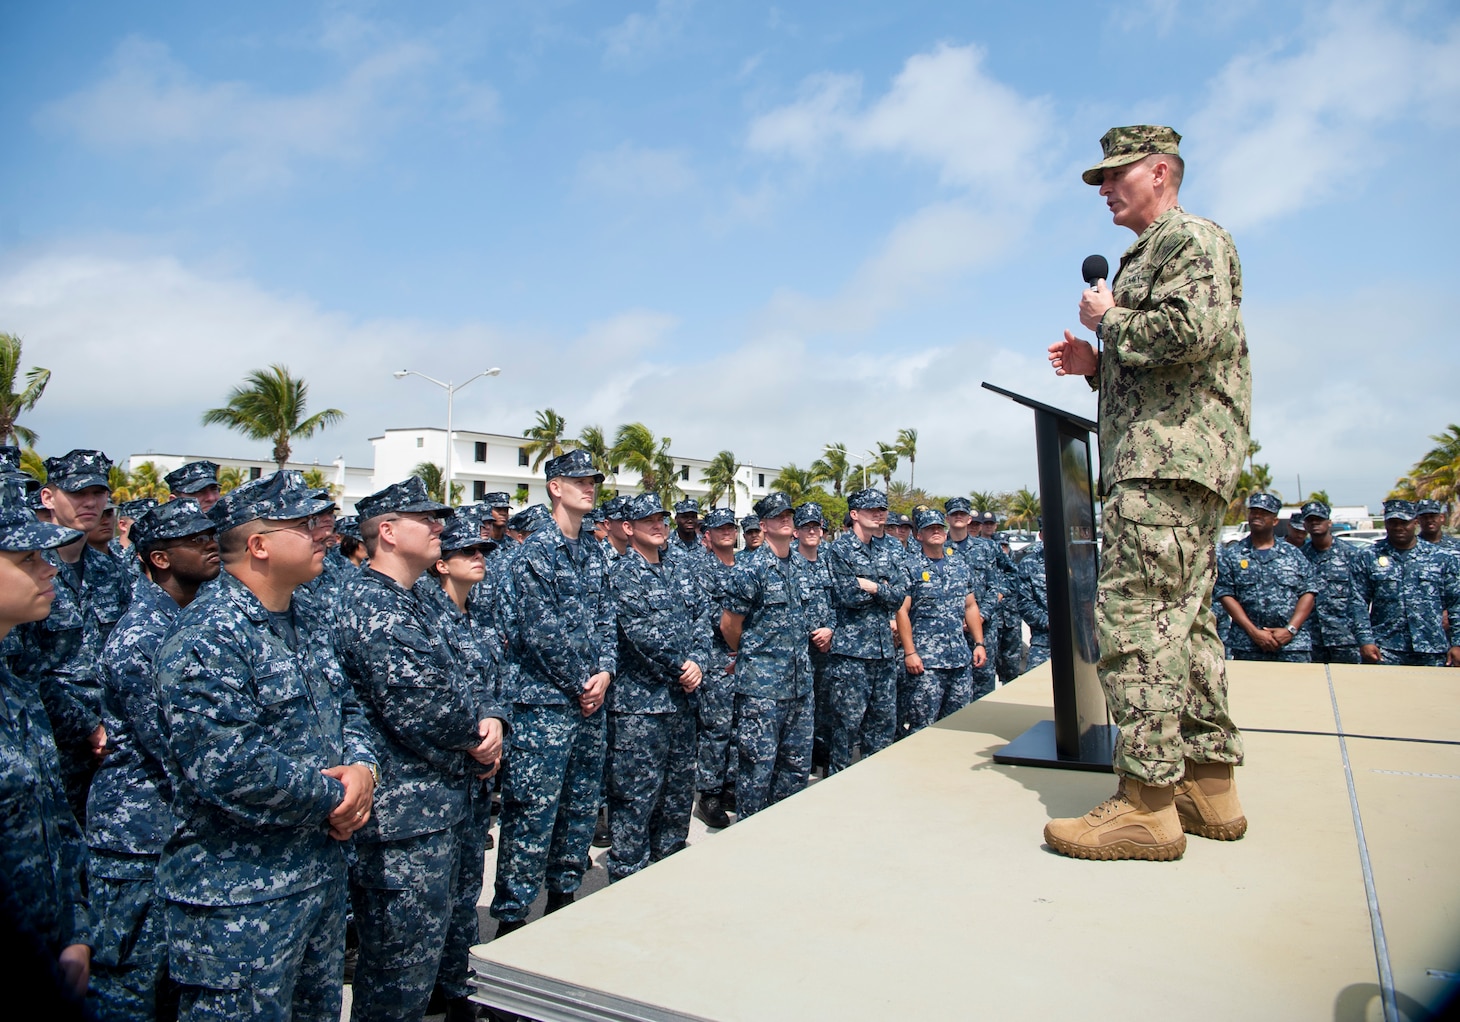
(255, 473)
(522, 457)
(760, 480)
(420, 441)
(684, 473)
(481, 451)
(615, 469)
(479, 487)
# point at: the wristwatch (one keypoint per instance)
(374, 770)
(1291, 630)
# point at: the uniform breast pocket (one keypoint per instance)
(277, 683)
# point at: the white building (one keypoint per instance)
(351, 483)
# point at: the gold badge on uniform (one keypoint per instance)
(927, 577)
(1243, 562)
(948, 551)
(1383, 562)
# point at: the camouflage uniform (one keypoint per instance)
(561, 633)
(128, 819)
(864, 652)
(1175, 407)
(716, 695)
(1267, 584)
(1406, 592)
(1034, 604)
(662, 623)
(1339, 612)
(423, 705)
(819, 576)
(255, 885)
(938, 591)
(772, 679)
(981, 557)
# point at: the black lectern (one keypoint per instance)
(1081, 736)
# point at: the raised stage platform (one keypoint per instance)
(915, 885)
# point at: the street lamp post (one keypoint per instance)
(401, 374)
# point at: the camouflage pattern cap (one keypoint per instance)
(988, 516)
(772, 504)
(899, 519)
(645, 505)
(1402, 509)
(530, 518)
(192, 477)
(928, 517)
(750, 523)
(576, 464)
(272, 498)
(20, 529)
(616, 509)
(463, 532)
(1127, 145)
(1265, 502)
(810, 512)
(955, 504)
(870, 499)
(348, 525)
(9, 459)
(1428, 507)
(76, 470)
(174, 520)
(408, 495)
(1295, 520)
(688, 506)
(1317, 509)
(135, 509)
(718, 516)
(497, 498)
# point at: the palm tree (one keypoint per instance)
(722, 476)
(795, 483)
(907, 447)
(595, 443)
(11, 403)
(832, 467)
(1437, 474)
(230, 477)
(1320, 495)
(32, 464)
(986, 500)
(143, 481)
(1023, 509)
(884, 464)
(271, 406)
(431, 474)
(635, 447)
(546, 438)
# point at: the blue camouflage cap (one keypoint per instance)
(688, 506)
(953, 504)
(718, 516)
(576, 464)
(1402, 509)
(272, 498)
(988, 516)
(33, 498)
(1265, 502)
(929, 516)
(1296, 518)
(135, 509)
(406, 496)
(810, 512)
(1317, 509)
(463, 532)
(1428, 507)
(192, 477)
(497, 498)
(9, 459)
(645, 505)
(772, 504)
(870, 499)
(530, 518)
(20, 529)
(174, 520)
(898, 518)
(348, 525)
(750, 523)
(78, 469)
(615, 509)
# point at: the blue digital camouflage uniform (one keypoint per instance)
(423, 706)
(1406, 592)
(255, 885)
(981, 557)
(1034, 604)
(938, 592)
(128, 817)
(864, 653)
(662, 623)
(1339, 613)
(772, 679)
(819, 576)
(1268, 585)
(1007, 649)
(561, 633)
(715, 741)
(59, 656)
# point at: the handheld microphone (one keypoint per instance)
(1095, 268)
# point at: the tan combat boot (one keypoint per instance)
(1138, 822)
(1206, 801)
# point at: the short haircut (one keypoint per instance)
(1175, 162)
(370, 532)
(231, 544)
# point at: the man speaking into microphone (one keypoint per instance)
(1175, 407)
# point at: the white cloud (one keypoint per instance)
(1289, 127)
(641, 35)
(633, 170)
(151, 102)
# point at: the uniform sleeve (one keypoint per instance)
(741, 591)
(1192, 304)
(1363, 593)
(605, 626)
(538, 620)
(419, 698)
(127, 672)
(642, 626)
(845, 591)
(1225, 580)
(1031, 607)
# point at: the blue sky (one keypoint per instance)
(750, 227)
